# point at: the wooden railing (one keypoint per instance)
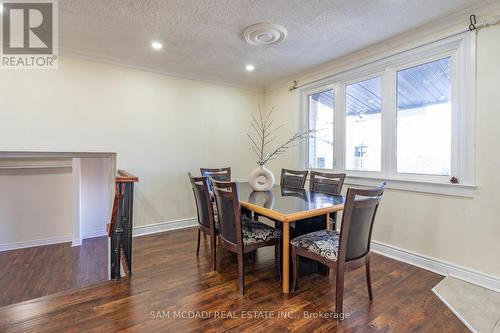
(121, 224)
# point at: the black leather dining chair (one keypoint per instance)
(346, 250)
(207, 222)
(240, 234)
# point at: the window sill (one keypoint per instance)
(459, 190)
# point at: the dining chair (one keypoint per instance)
(328, 183)
(207, 222)
(239, 236)
(293, 178)
(346, 250)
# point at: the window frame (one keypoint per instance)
(344, 84)
(462, 50)
(305, 106)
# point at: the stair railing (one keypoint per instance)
(121, 224)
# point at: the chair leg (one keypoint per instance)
(369, 280)
(253, 255)
(277, 258)
(295, 264)
(219, 245)
(198, 246)
(280, 259)
(213, 251)
(339, 293)
(241, 274)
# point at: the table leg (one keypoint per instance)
(286, 257)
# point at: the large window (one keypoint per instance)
(424, 118)
(321, 120)
(406, 118)
(363, 125)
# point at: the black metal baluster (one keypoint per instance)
(119, 229)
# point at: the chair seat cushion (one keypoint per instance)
(256, 232)
(324, 243)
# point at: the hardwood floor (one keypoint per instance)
(43, 270)
(168, 277)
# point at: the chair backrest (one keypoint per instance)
(203, 201)
(329, 183)
(360, 209)
(228, 209)
(221, 174)
(293, 178)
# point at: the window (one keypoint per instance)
(321, 119)
(363, 125)
(424, 118)
(406, 118)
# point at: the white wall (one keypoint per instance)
(160, 127)
(95, 195)
(35, 205)
(462, 231)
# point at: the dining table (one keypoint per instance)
(289, 205)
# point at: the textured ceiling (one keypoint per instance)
(202, 38)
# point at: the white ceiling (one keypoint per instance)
(203, 38)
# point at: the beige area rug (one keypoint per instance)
(477, 307)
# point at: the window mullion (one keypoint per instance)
(339, 128)
(389, 100)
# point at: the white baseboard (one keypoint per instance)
(37, 242)
(165, 226)
(437, 266)
(76, 242)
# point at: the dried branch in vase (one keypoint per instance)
(265, 134)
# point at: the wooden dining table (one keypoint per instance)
(287, 206)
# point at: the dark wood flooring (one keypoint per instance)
(168, 277)
(43, 270)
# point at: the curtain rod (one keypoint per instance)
(472, 26)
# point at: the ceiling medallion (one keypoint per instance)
(264, 34)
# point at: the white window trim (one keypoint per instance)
(462, 49)
(304, 149)
(342, 122)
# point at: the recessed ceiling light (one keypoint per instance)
(250, 68)
(156, 45)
